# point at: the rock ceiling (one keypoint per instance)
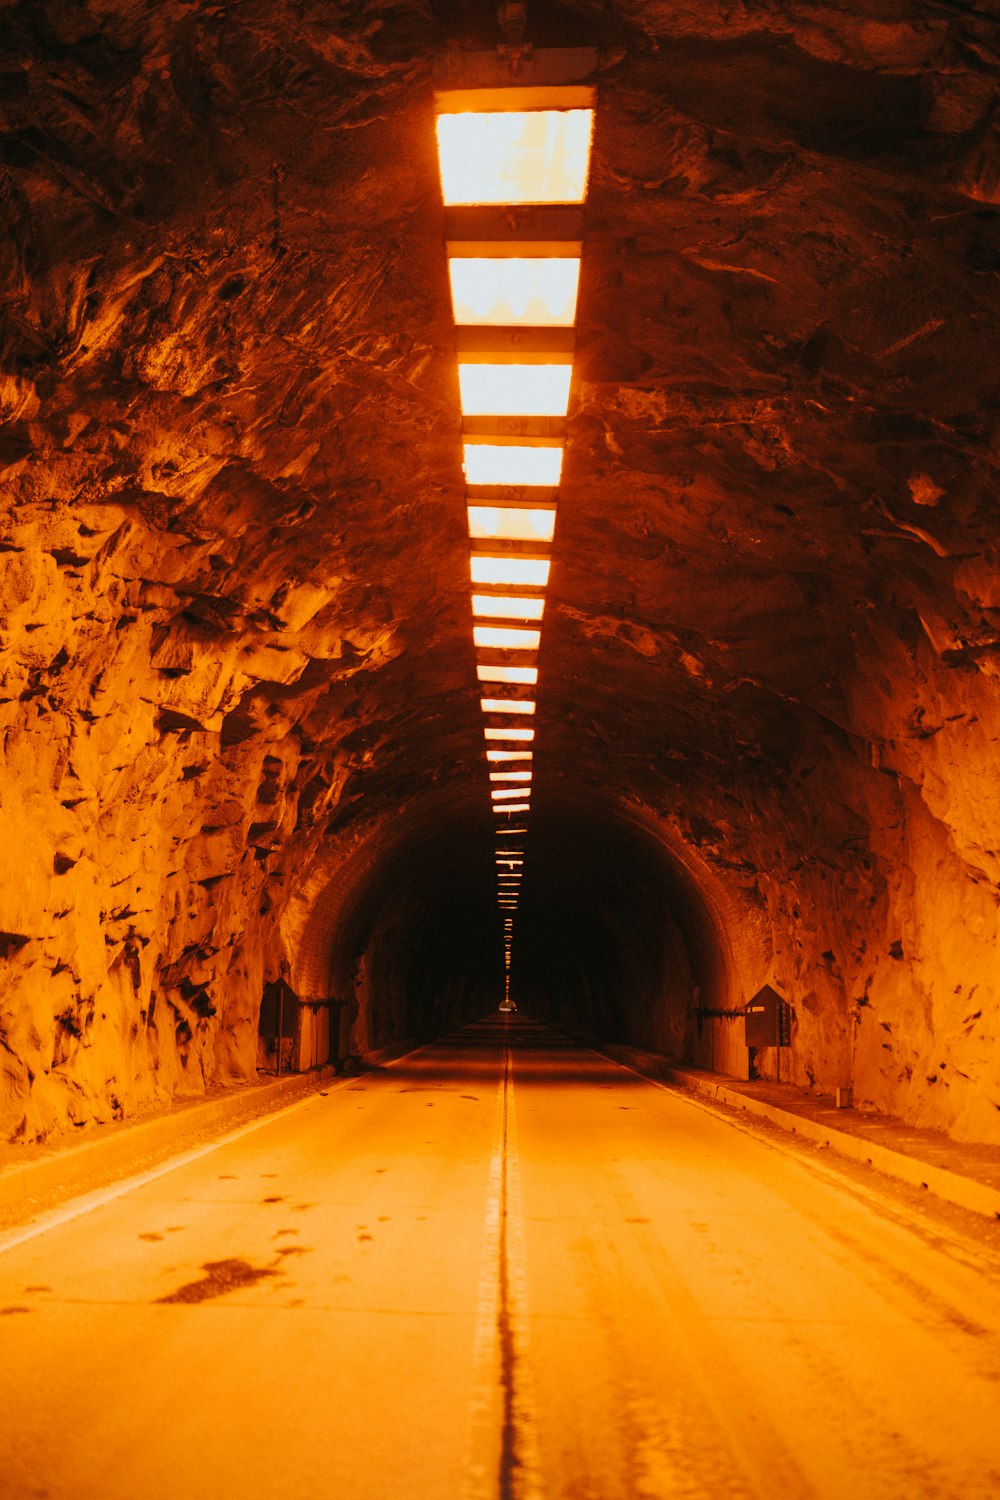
(235, 622)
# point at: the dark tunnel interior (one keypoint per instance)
(615, 941)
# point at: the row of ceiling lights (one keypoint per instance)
(514, 162)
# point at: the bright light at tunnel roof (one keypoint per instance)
(515, 463)
(496, 755)
(507, 705)
(500, 793)
(489, 672)
(514, 156)
(502, 638)
(510, 775)
(509, 732)
(512, 523)
(515, 291)
(508, 607)
(488, 568)
(514, 390)
(512, 807)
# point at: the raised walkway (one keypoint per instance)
(962, 1173)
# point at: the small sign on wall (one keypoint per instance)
(768, 1020)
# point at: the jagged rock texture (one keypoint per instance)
(240, 737)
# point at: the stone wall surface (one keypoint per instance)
(233, 586)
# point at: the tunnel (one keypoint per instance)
(616, 937)
(500, 624)
(241, 712)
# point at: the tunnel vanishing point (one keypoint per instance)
(243, 759)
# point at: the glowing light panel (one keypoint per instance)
(502, 793)
(510, 734)
(500, 463)
(532, 571)
(510, 775)
(514, 390)
(507, 705)
(507, 606)
(512, 807)
(515, 291)
(509, 754)
(502, 639)
(511, 523)
(515, 156)
(487, 673)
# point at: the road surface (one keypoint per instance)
(501, 1267)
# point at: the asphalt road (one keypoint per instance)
(500, 1267)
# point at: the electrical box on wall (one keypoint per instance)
(768, 1020)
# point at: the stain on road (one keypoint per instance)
(222, 1276)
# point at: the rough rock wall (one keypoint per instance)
(148, 821)
(192, 375)
(787, 443)
(232, 589)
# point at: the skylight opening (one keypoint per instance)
(514, 291)
(514, 390)
(514, 156)
(508, 606)
(513, 463)
(487, 672)
(512, 523)
(500, 638)
(507, 705)
(533, 572)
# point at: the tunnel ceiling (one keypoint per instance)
(235, 584)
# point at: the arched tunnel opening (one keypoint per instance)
(615, 940)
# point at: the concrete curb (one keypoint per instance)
(965, 1192)
(63, 1173)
